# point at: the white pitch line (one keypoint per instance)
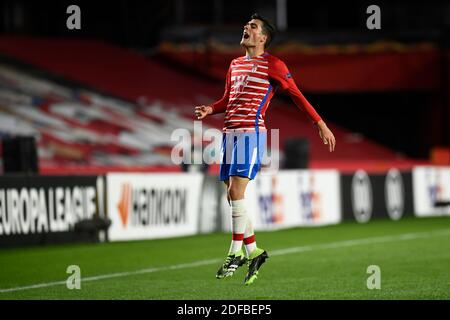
(115, 275)
(324, 246)
(355, 242)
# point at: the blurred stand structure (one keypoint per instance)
(20, 155)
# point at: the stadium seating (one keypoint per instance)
(377, 66)
(82, 128)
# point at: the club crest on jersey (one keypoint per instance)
(288, 75)
(240, 83)
(255, 67)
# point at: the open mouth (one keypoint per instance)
(246, 36)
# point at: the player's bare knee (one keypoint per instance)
(229, 192)
(228, 198)
(236, 192)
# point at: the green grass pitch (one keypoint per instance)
(305, 263)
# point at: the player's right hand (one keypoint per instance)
(202, 111)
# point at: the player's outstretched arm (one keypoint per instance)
(281, 74)
(202, 111)
(326, 135)
(218, 106)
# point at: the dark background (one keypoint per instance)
(142, 23)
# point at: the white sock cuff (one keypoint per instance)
(248, 229)
(238, 206)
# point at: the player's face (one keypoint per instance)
(253, 34)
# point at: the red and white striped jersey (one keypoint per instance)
(250, 85)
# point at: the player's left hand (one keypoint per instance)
(326, 135)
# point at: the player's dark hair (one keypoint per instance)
(267, 28)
